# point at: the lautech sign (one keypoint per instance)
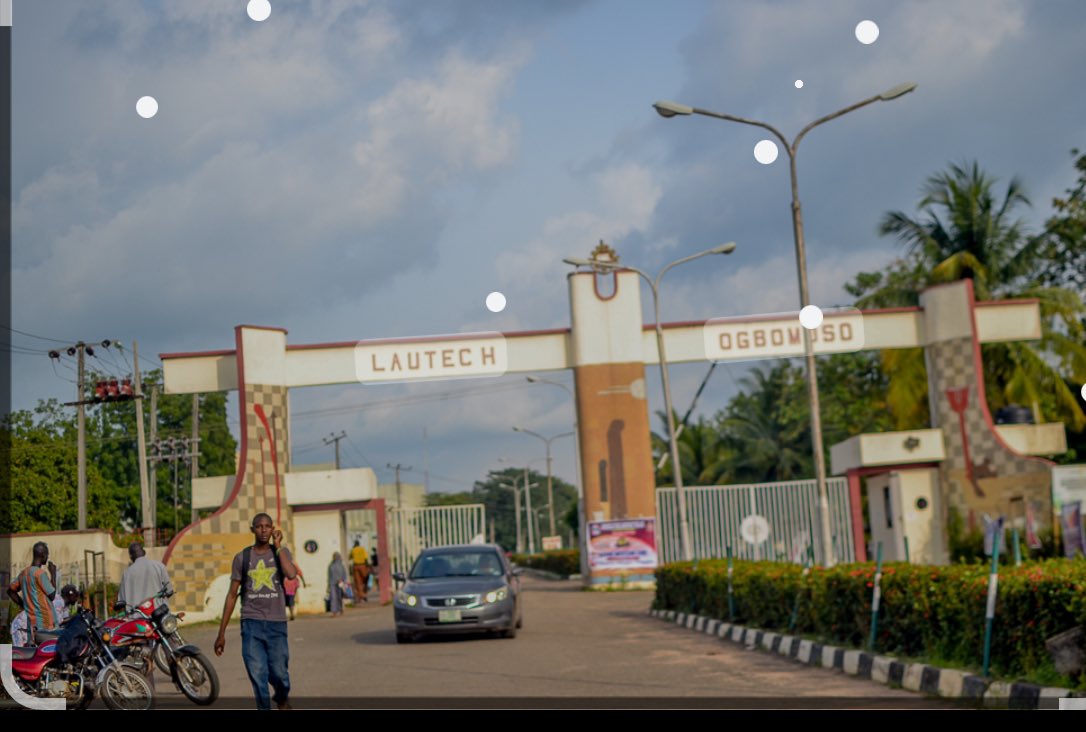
(478, 354)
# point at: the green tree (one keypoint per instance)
(112, 458)
(966, 231)
(702, 452)
(44, 481)
(500, 506)
(766, 427)
(1061, 250)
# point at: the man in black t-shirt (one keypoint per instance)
(263, 612)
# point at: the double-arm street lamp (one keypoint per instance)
(673, 109)
(550, 491)
(684, 526)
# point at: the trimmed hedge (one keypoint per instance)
(563, 562)
(926, 612)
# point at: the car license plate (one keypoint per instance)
(448, 616)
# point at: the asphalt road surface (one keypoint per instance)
(577, 650)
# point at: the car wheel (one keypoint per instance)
(510, 633)
(403, 638)
(520, 622)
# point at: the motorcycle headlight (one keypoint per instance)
(405, 599)
(169, 624)
(497, 595)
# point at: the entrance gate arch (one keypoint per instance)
(607, 346)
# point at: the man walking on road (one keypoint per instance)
(258, 572)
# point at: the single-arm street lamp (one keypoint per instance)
(684, 526)
(673, 109)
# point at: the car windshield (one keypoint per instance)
(457, 564)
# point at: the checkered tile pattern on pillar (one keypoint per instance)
(952, 364)
(207, 549)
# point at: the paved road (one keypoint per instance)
(577, 649)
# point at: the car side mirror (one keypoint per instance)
(399, 576)
(517, 571)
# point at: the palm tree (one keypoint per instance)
(966, 232)
(702, 453)
(766, 427)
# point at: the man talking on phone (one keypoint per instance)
(257, 576)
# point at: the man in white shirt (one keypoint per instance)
(144, 578)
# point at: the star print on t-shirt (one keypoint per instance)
(261, 576)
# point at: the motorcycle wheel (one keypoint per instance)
(162, 656)
(124, 688)
(196, 678)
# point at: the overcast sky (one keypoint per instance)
(351, 170)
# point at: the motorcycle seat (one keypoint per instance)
(20, 653)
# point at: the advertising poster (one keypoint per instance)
(622, 545)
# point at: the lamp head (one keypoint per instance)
(577, 262)
(897, 91)
(723, 248)
(671, 109)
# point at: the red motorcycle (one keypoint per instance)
(86, 667)
(148, 633)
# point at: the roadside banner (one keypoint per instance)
(626, 544)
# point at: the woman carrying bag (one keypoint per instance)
(337, 580)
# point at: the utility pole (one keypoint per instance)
(146, 512)
(81, 449)
(195, 467)
(426, 460)
(174, 451)
(335, 438)
(154, 461)
(80, 350)
(398, 467)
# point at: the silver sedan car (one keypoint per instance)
(468, 588)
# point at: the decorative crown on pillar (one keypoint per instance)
(604, 253)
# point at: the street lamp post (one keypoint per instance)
(516, 510)
(684, 525)
(673, 109)
(550, 490)
(581, 529)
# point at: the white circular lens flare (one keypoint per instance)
(495, 302)
(799, 83)
(259, 10)
(147, 107)
(810, 317)
(1084, 392)
(765, 152)
(867, 32)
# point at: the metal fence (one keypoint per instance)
(790, 509)
(413, 529)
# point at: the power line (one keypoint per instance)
(404, 401)
(31, 335)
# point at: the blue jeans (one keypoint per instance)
(266, 653)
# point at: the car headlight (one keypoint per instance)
(497, 595)
(169, 624)
(405, 599)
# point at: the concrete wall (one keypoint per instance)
(66, 550)
(335, 486)
(325, 528)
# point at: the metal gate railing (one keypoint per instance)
(716, 515)
(413, 529)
